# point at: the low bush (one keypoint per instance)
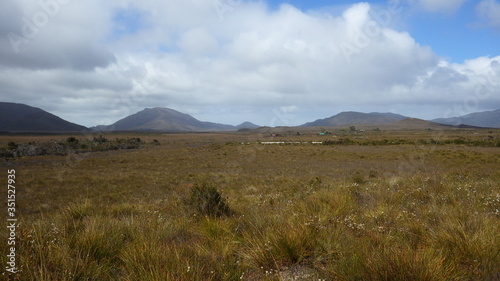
(207, 201)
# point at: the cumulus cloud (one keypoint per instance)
(95, 62)
(48, 34)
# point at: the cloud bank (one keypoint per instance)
(229, 61)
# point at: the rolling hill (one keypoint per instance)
(351, 117)
(15, 117)
(416, 124)
(490, 119)
(164, 119)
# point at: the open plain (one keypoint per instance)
(343, 205)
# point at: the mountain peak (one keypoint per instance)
(164, 119)
(247, 125)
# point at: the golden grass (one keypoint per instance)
(297, 212)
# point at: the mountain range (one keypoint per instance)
(16, 117)
(166, 119)
(489, 119)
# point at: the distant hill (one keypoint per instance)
(247, 125)
(164, 119)
(16, 117)
(351, 117)
(490, 119)
(417, 124)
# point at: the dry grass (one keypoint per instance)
(294, 212)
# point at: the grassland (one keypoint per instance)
(400, 205)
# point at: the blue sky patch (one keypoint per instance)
(128, 21)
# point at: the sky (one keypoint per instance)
(273, 63)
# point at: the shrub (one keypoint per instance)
(128, 143)
(5, 153)
(207, 201)
(12, 145)
(72, 142)
(341, 141)
(358, 178)
(100, 139)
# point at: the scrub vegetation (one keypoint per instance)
(400, 205)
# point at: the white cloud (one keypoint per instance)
(198, 41)
(187, 57)
(489, 10)
(47, 34)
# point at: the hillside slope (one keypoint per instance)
(489, 119)
(16, 117)
(351, 117)
(164, 119)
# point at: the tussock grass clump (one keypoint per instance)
(80, 210)
(401, 263)
(207, 201)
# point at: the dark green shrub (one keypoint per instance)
(329, 142)
(372, 174)
(459, 141)
(5, 153)
(207, 201)
(72, 142)
(12, 145)
(128, 143)
(100, 139)
(358, 179)
(341, 141)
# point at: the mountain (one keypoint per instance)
(16, 117)
(163, 119)
(247, 125)
(490, 119)
(351, 117)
